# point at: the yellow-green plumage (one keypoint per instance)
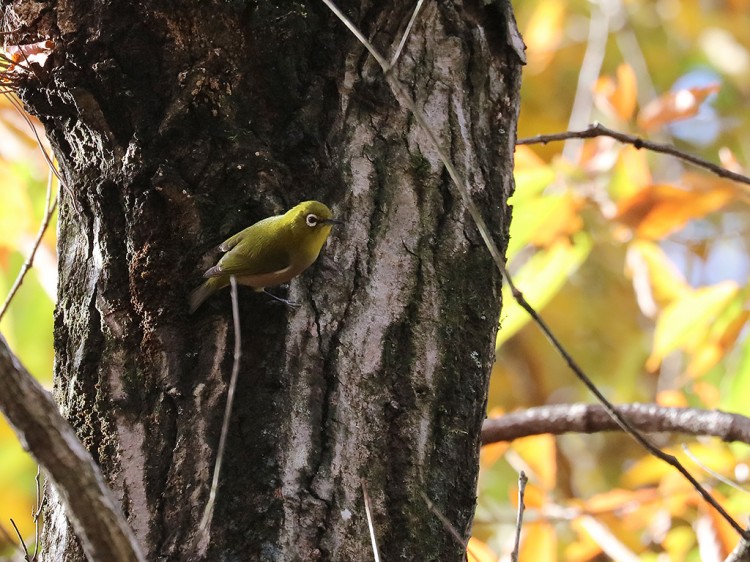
(270, 252)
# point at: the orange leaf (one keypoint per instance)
(658, 210)
(617, 96)
(617, 499)
(491, 453)
(726, 533)
(478, 551)
(671, 398)
(709, 394)
(674, 106)
(533, 497)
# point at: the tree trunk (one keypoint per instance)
(177, 125)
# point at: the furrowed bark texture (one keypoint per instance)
(178, 124)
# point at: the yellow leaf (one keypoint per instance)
(478, 551)
(656, 280)
(711, 352)
(16, 214)
(685, 321)
(649, 470)
(631, 172)
(678, 542)
(540, 454)
(543, 34)
(539, 542)
(539, 280)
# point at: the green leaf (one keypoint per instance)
(540, 279)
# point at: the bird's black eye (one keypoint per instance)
(311, 220)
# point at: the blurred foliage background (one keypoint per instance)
(637, 261)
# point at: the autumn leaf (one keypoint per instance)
(658, 210)
(543, 33)
(674, 106)
(478, 551)
(617, 96)
(539, 452)
(684, 322)
(539, 542)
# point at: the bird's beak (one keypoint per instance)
(332, 221)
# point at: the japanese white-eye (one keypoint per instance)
(270, 252)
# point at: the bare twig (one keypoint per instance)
(404, 98)
(370, 523)
(405, 36)
(48, 212)
(713, 473)
(93, 512)
(599, 130)
(21, 542)
(447, 525)
(19, 108)
(592, 418)
(522, 480)
(41, 492)
(204, 525)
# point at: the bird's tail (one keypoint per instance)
(206, 290)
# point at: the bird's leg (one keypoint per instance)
(290, 304)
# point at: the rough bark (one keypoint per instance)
(178, 124)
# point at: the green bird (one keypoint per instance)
(270, 252)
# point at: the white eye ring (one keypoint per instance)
(311, 220)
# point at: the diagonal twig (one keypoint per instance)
(405, 36)
(370, 523)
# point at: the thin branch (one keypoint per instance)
(406, 100)
(713, 473)
(93, 511)
(444, 520)
(593, 418)
(598, 130)
(204, 525)
(21, 542)
(405, 36)
(48, 212)
(522, 481)
(370, 523)
(41, 494)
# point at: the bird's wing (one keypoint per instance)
(252, 252)
(231, 242)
